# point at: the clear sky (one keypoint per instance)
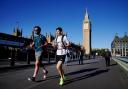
(108, 17)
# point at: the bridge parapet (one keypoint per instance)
(122, 61)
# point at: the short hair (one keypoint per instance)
(59, 28)
(38, 28)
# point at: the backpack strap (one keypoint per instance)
(62, 40)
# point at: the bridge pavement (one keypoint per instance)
(93, 74)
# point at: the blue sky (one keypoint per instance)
(108, 17)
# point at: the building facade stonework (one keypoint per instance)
(119, 46)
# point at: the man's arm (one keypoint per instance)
(67, 45)
(45, 44)
(32, 44)
(54, 43)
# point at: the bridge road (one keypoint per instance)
(91, 75)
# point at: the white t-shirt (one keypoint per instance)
(60, 47)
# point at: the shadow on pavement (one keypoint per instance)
(80, 71)
(82, 64)
(113, 64)
(49, 78)
(68, 74)
(97, 72)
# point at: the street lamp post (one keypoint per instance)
(48, 51)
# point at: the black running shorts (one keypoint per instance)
(60, 58)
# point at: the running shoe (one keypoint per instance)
(45, 72)
(61, 82)
(31, 79)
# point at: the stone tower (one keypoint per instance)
(17, 32)
(87, 34)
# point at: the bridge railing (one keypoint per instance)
(122, 61)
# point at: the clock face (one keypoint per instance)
(86, 25)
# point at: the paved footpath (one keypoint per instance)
(91, 75)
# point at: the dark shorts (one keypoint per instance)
(60, 58)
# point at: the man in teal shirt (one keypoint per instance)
(39, 42)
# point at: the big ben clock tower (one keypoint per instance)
(87, 34)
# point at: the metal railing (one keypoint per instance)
(124, 59)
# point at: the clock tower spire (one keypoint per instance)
(87, 34)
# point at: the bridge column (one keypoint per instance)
(125, 49)
(122, 50)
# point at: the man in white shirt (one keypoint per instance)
(61, 43)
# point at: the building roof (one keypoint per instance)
(118, 39)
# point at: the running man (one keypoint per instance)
(61, 43)
(39, 42)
